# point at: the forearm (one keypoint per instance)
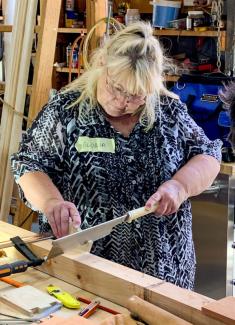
(198, 174)
(39, 189)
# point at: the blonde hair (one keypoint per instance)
(133, 56)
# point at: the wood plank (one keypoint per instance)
(28, 300)
(223, 309)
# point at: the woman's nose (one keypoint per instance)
(123, 100)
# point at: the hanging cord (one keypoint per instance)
(216, 10)
(80, 38)
(116, 25)
(12, 109)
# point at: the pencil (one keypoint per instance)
(90, 309)
(108, 310)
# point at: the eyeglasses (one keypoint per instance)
(119, 93)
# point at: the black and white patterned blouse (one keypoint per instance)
(106, 174)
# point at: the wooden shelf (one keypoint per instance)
(172, 78)
(8, 28)
(189, 33)
(72, 30)
(66, 70)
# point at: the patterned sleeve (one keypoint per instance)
(196, 142)
(42, 146)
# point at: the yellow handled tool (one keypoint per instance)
(66, 298)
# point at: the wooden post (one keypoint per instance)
(42, 79)
(95, 9)
(11, 87)
(16, 130)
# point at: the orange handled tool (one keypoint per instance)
(12, 282)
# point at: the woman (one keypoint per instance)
(228, 98)
(116, 139)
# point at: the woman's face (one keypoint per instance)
(114, 99)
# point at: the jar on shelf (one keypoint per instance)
(132, 15)
(197, 17)
(68, 53)
(69, 5)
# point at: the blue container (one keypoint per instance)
(164, 11)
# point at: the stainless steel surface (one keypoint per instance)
(213, 232)
(61, 245)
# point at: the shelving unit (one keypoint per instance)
(66, 70)
(189, 33)
(67, 30)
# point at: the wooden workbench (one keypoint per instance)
(113, 282)
(227, 168)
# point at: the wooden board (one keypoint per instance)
(223, 309)
(29, 300)
(227, 169)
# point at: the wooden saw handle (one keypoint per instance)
(140, 212)
(152, 314)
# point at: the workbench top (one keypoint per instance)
(227, 169)
(85, 273)
(41, 280)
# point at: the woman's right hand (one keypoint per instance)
(59, 213)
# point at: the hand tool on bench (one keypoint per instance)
(61, 245)
(22, 265)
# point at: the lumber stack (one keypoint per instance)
(15, 94)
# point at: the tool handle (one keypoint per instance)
(140, 212)
(152, 314)
(12, 282)
(15, 267)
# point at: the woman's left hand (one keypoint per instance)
(168, 198)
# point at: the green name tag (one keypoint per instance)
(86, 144)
